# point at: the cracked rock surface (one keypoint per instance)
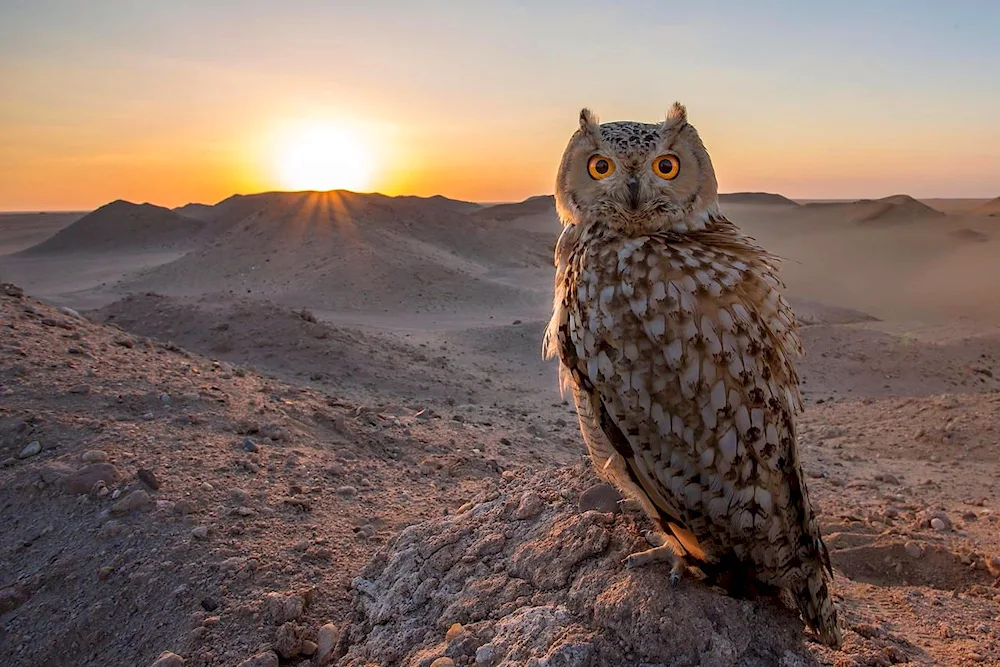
(494, 584)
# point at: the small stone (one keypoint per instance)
(205, 486)
(249, 445)
(600, 497)
(138, 499)
(184, 507)
(209, 604)
(265, 659)
(105, 572)
(30, 449)
(326, 641)
(95, 456)
(84, 479)
(200, 532)
(443, 662)
(283, 608)
(165, 399)
(938, 525)
(454, 631)
(913, 550)
(168, 659)
(147, 477)
(486, 655)
(531, 505)
(288, 640)
(308, 647)
(347, 491)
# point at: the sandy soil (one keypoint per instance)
(305, 375)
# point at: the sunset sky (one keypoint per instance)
(172, 102)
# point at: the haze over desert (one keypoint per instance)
(312, 424)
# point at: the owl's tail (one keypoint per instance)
(816, 603)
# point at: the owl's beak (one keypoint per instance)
(633, 192)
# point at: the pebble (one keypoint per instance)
(184, 506)
(347, 491)
(454, 631)
(94, 456)
(84, 479)
(486, 654)
(138, 499)
(283, 608)
(443, 662)
(168, 659)
(601, 497)
(326, 641)
(165, 399)
(938, 525)
(147, 477)
(105, 572)
(249, 445)
(205, 486)
(30, 449)
(265, 659)
(308, 647)
(913, 550)
(531, 505)
(200, 532)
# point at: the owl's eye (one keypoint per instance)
(667, 167)
(600, 167)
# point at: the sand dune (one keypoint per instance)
(991, 208)
(119, 227)
(896, 208)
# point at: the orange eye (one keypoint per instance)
(600, 167)
(667, 167)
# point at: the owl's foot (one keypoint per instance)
(665, 550)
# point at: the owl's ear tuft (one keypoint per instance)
(678, 113)
(588, 121)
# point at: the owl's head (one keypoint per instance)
(637, 177)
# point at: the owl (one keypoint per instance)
(678, 346)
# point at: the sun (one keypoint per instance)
(324, 157)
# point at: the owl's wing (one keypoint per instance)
(689, 346)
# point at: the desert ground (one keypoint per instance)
(316, 428)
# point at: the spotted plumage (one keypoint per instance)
(678, 347)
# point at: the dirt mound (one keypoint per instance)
(122, 226)
(768, 198)
(356, 252)
(991, 208)
(292, 345)
(195, 506)
(525, 577)
(967, 234)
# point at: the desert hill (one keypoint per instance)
(122, 226)
(357, 252)
(895, 208)
(991, 208)
(538, 205)
(766, 198)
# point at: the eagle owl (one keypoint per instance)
(677, 345)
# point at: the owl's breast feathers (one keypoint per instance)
(683, 344)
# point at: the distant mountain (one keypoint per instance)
(537, 205)
(768, 198)
(203, 212)
(123, 226)
(895, 208)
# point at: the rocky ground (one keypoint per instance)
(208, 504)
